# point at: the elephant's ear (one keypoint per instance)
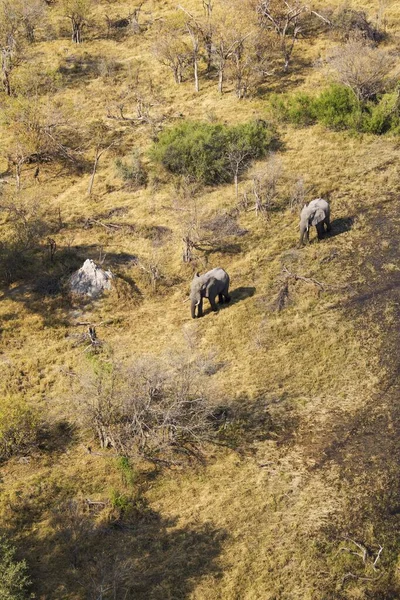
(317, 217)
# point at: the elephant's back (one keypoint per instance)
(217, 273)
(319, 203)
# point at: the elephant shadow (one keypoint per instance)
(341, 225)
(239, 294)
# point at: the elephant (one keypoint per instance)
(210, 285)
(317, 213)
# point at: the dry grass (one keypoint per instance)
(267, 519)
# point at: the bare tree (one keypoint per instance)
(103, 140)
(362, 67)
(249, 63)
(32, 14)
(172, 51)
(78, 12)
(208, 7)
(194, 30)
(227, 41)
(40, 131)
(10, 42)
(285, 18)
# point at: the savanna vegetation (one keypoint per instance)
(252, 453)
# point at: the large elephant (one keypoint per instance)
(210, 285)
(316, 213)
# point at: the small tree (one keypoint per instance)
(14, 579)
(194, 30)
(103, 139)
(172, 51)
(246, 143)
(18, 427)
(79, 13)
(10, 42)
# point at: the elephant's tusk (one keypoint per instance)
(197, 303)
(187, 300)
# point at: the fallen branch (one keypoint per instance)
(377, 557)
(283, 293)
(310, 280)
(89, 222)
(360, 577)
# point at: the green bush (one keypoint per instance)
(18, 427)
(14, 580)
(298, 109)
(381, 117)
(201, 150)
(337, 107)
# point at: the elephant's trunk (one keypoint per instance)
(193, 304)
(303, 231)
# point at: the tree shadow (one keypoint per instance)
(137, 555)
(43, 280)
(57, 437)
(86, 66)
(246, 421)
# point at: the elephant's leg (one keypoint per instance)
(213, 305)
(227, 296)
(328, 223)
(320, 230)
(200, 308)
(220, 298)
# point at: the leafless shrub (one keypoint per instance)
(298, 195)
(348, 24)
(152, 270)
(171, 50)
(223, 225)
(153, 408)
(363, 68)
(263, 191)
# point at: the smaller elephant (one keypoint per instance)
(316, 213)
(210, 285)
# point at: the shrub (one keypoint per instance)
(14, 579)
(152, 409)
(363, 68)
(133, 171)
(382, 117)
(200, 150)
(349, 23)
(298, 109)
(336, 107)
(18, 426)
